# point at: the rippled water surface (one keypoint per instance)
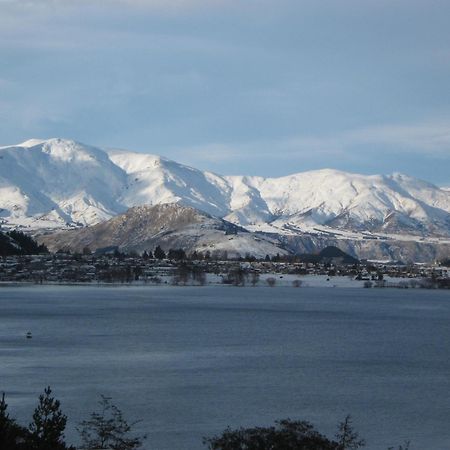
(189, 361)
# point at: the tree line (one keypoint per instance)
(18, 243)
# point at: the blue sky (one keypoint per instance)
(255, 87)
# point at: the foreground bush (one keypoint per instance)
(286, 435)
(107, 429)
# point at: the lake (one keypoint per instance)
(188, 361)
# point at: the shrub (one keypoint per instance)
(108, 429)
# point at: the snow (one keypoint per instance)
(59, 183)
(31, 143)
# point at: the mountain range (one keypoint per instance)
(60, 184)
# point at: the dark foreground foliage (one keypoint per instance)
(18, 243)
(107, 429)
(286, 435)
(45, 432)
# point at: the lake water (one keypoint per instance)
(189, 361)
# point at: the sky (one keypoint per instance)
(257, 87)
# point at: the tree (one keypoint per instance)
(195, 256)
(108, 429)
(46, 432)
(12, 435)
(254, 278)
(235, 276)
(285, 435)
(182, 274)
(347, 438)
(177, 254)
(26, 244)
(137, 271)
(199, 275)
(147, 255)
(118, 254)
(159, 253)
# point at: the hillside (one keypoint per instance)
(170, 226)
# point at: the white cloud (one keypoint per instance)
(429, 138)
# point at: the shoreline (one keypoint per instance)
(309, 282)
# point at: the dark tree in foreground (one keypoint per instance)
(46, 431)
(347, 437)
(108, 429)
(12, 435)
(286, 435)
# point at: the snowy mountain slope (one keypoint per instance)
(154, 180)
(340, 200)
(170, 226)
(59, 183)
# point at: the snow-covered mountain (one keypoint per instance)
(60, 183)
(169, 226)
(57, 183)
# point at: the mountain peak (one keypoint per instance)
(32, 143)
(62, 183)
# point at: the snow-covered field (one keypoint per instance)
(264, 281)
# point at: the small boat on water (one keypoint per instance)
(29, 335)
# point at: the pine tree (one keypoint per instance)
(46, 431)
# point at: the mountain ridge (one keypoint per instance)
(61, 184)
